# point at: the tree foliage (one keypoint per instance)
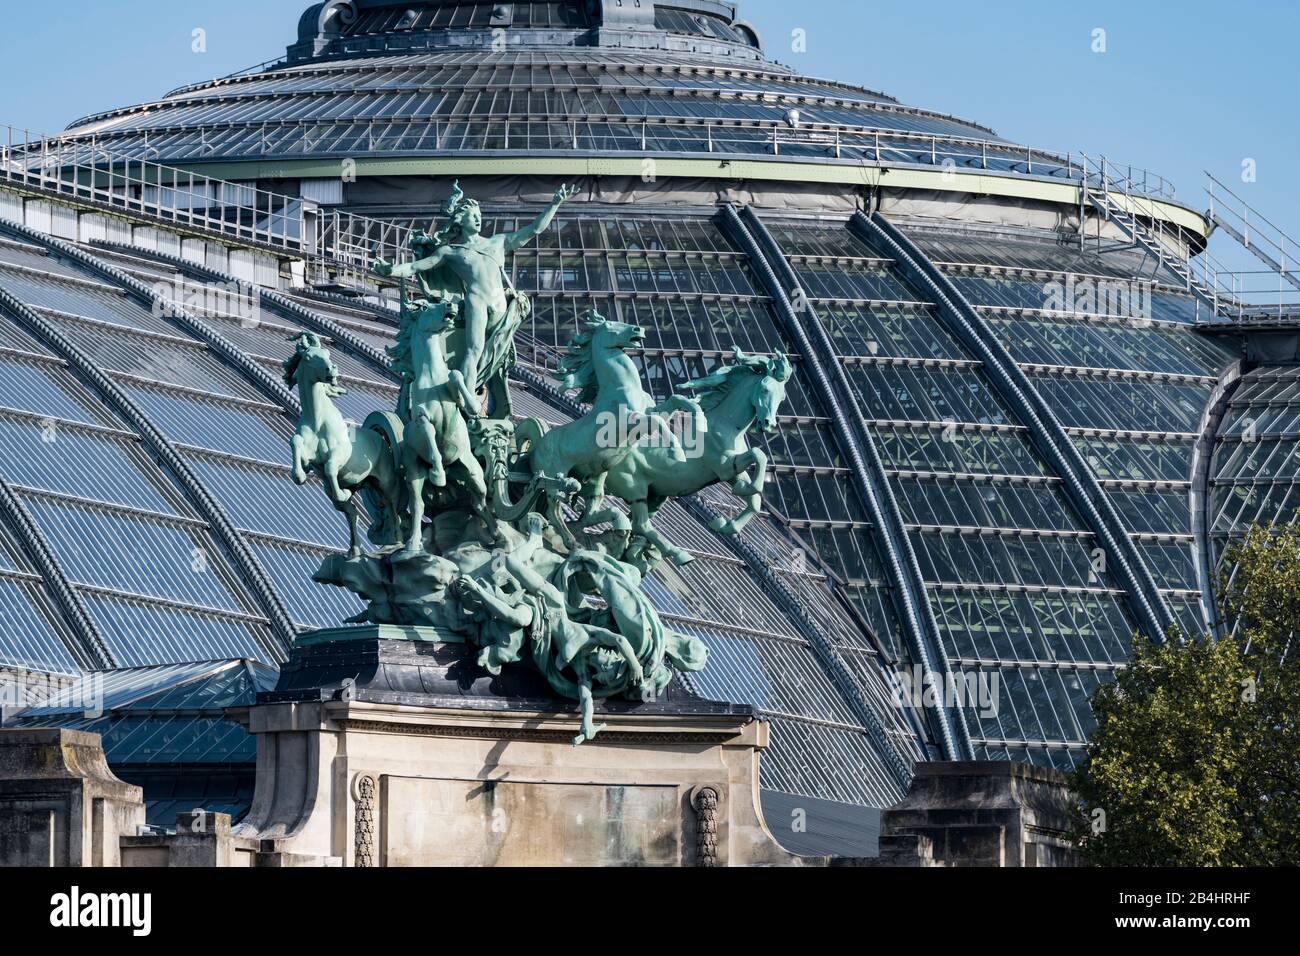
(1195, 760)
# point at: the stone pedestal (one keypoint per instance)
(978, 814)
(379, 752)
(60, 805)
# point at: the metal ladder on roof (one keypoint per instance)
(1255, 232)
(1270, 296)
(1102, 187)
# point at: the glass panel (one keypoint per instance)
(28, 639)
(138, 634)
(136, 555)
(67, 461)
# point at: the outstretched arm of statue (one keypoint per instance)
(407, 269)
(533, 582)
(521, 237)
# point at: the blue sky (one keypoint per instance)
(1181, 87)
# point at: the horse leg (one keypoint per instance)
(330, 473)
(641, 525)
(756, 459)
(386, 492)
(415, 539)
(476, 484)
(654, 502)
(354, 517)
(730, 526)
(299, 461)
(750, 490)
(415, 479)
(424, 441)
(596, 513)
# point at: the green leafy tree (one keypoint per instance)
(1195, 760)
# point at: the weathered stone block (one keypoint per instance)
(978, 814)
(201, 839)
(60, 805)
(502, 823)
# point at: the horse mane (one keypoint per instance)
(400, 351)
(291, 368)
(711, 390)
(577, 367)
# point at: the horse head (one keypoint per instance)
(770, 393)
(765, 377)
(579, 368)
(608, 334)
(310, 364)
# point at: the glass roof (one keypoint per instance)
(1007, 565)
(1255, 466)
(1010, 570)
(165, 728)
(520, 99)
(158, 609)
(201, 685)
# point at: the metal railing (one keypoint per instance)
(263, 67)
(85, 171)
(1256, 296)
(646, 135)
(1223, 293)
(1255, 232)
(337, 245)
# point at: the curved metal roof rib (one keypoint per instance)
(212, 520)
(777, 642)
(867, 475)
(1081, 484)
(1251, 468)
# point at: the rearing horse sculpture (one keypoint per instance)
(622, 413)
(735, 398)
(346, 459)
(435, 438)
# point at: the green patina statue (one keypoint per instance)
(460, 258)
(500, 534)
(345, 459)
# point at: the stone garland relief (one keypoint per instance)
(705, 802)
(364, 789)
(500, 534)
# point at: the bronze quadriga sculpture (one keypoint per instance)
(472, 516)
